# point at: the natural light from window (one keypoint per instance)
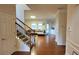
(40, 26)
(37, 26)
(34, 26)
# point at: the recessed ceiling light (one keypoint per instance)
(32, 17)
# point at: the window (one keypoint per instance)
(47, 28)
(34, 26)
(37, 26)
(40, 26)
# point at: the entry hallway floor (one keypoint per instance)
(46, 45)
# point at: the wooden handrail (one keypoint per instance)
(24, 23)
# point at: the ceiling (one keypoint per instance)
(43, 11)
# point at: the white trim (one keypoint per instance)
(67, 53)
(26, 7)
(74, 46)
(73, 43)
(60, 43)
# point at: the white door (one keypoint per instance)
(8, 34)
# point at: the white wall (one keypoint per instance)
(20, 11)
(57, 29)
(61, 27)
(72, 41)
(21, 46)
(20, 14)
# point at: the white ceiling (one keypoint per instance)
(43, 11)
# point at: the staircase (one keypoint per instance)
(25, 38)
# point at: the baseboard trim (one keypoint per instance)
(61, 43)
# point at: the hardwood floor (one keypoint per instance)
(46, 45)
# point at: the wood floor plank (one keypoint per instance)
(47, 46)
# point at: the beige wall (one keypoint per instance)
(72, 41)
(7, 29)
(9, 9)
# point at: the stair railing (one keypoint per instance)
(25, 30)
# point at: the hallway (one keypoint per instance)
(46, 45)
(23, 21)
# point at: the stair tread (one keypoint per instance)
(22, 36)
(25, 39)
(21, 53)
